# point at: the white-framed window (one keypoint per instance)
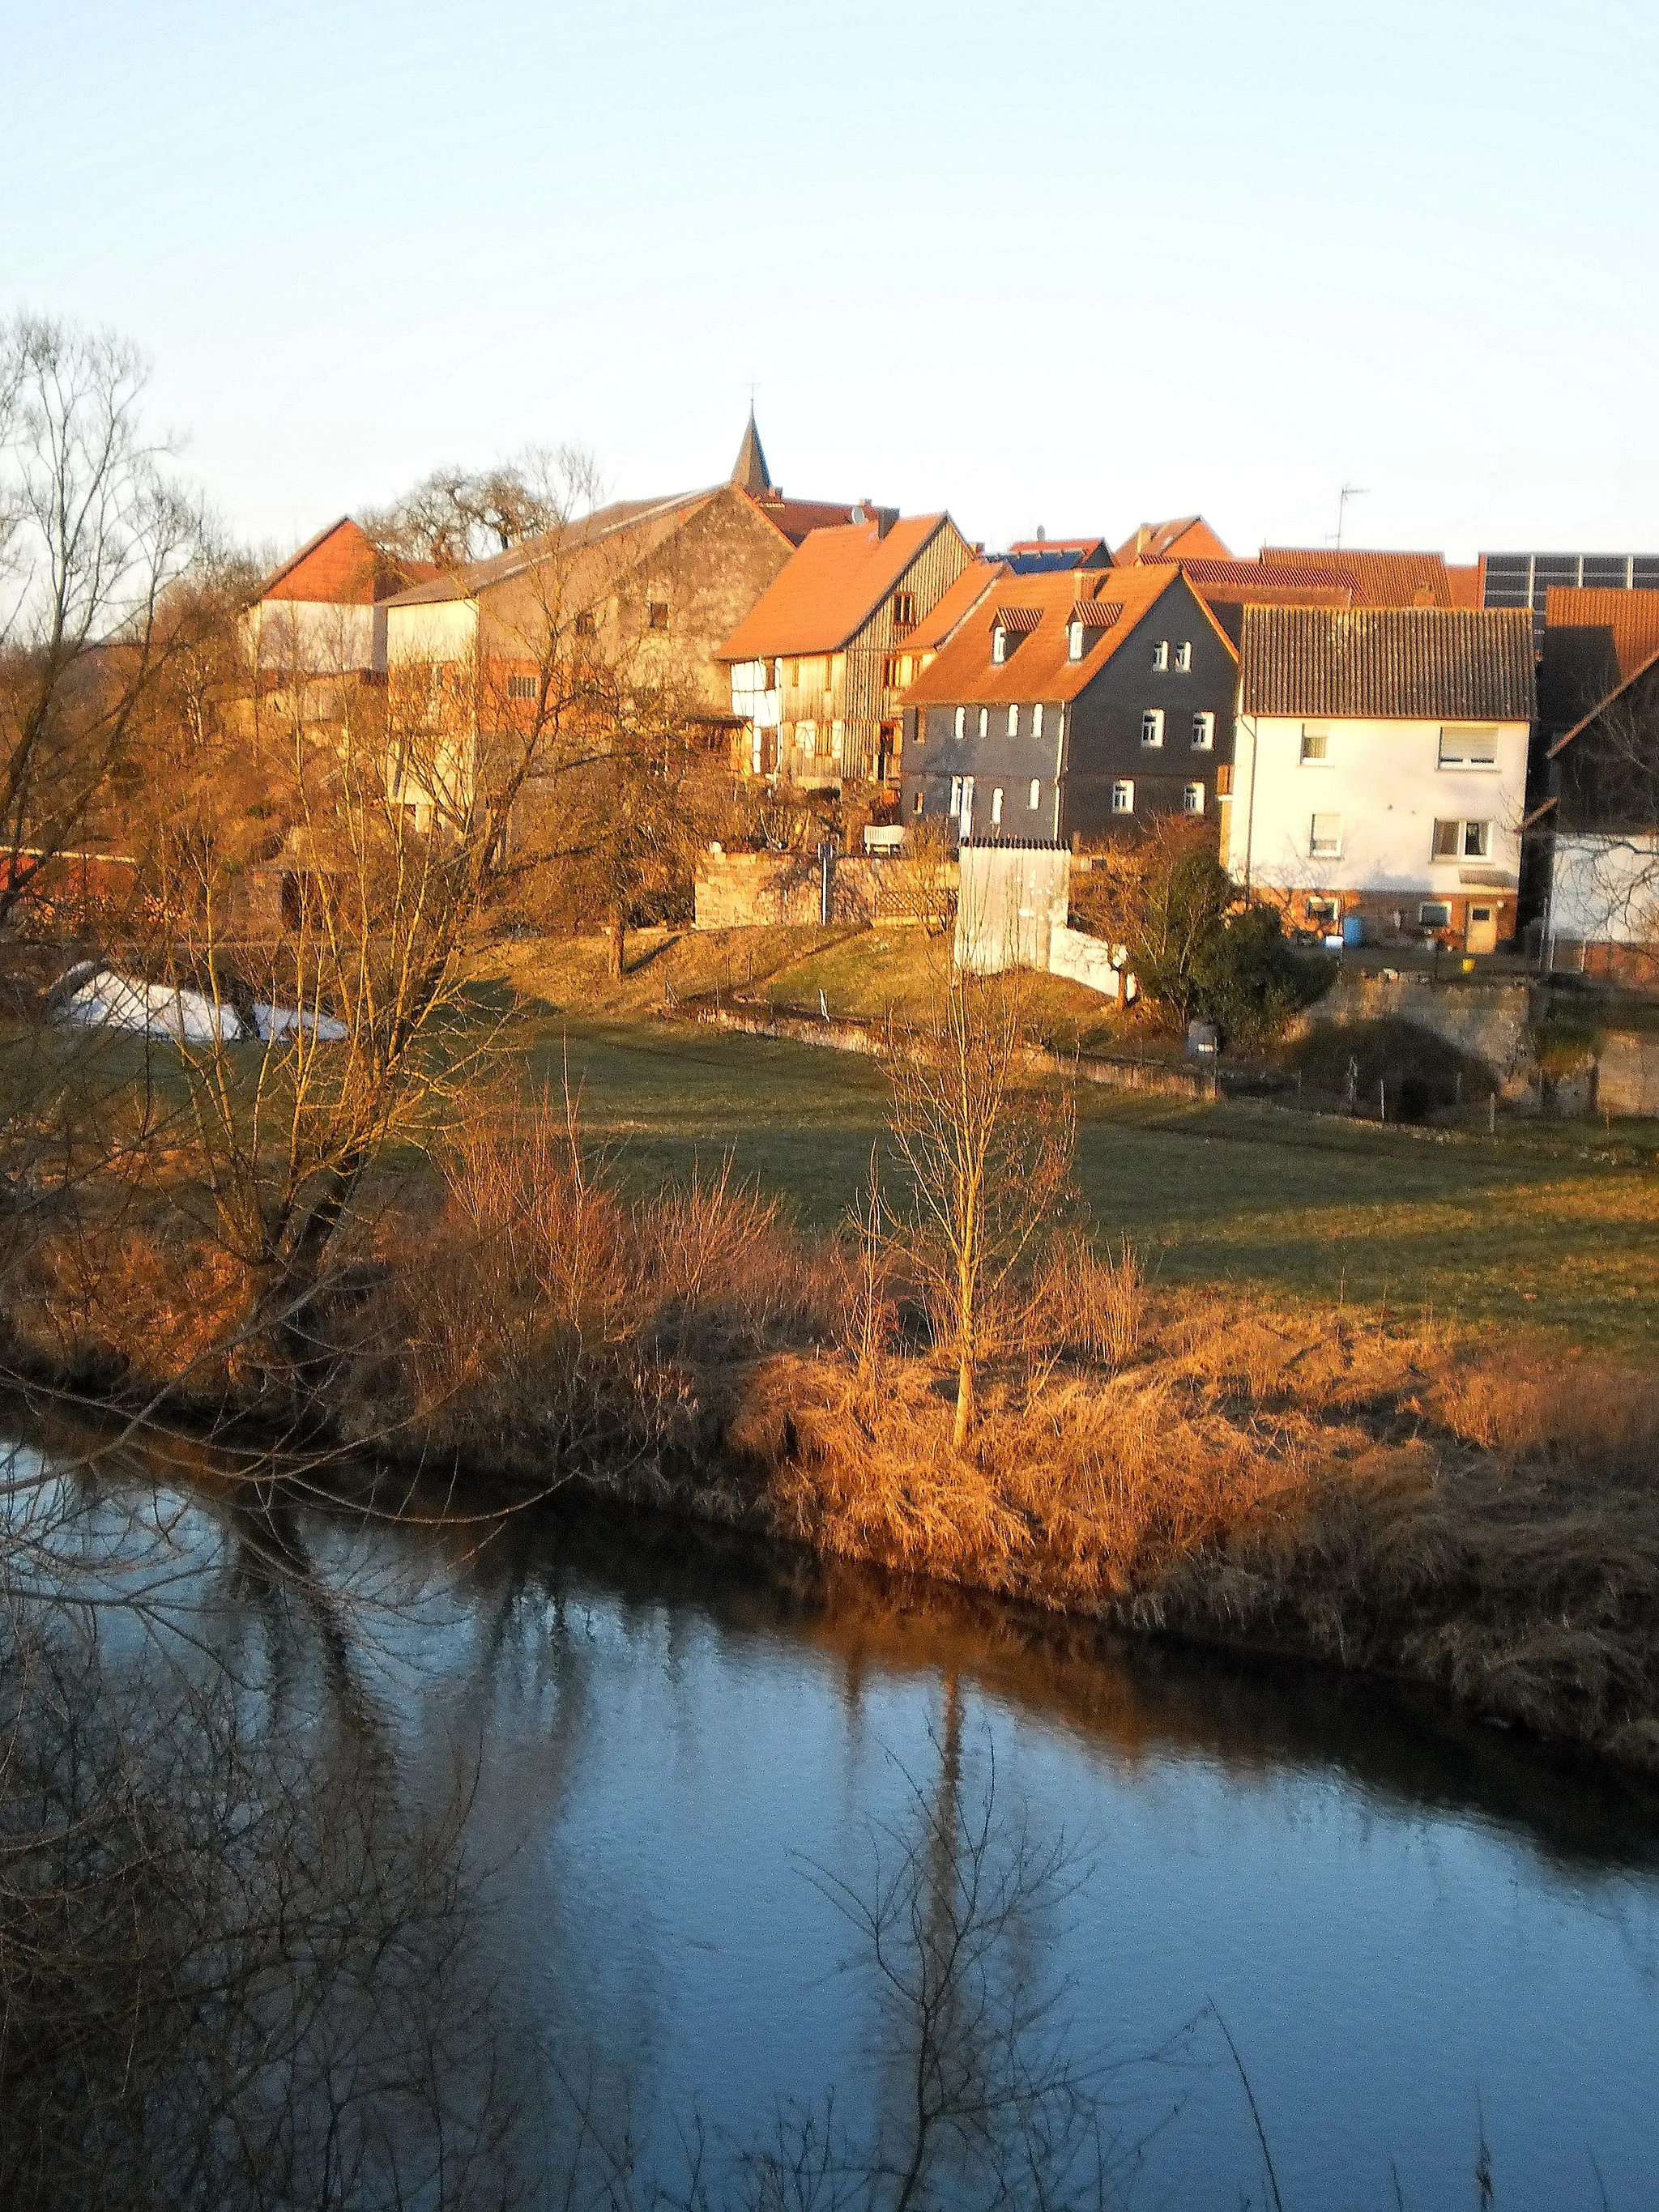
(962, 724)
(1463, 841)
(1160, 656)
(1315, 743)
(1192, 799)
(1035, 799)
(1325, 837)
(996, 807)
(520, 687)
(1036, 719)
(1468, 744)
(806, 736)
(1074, 641)
(1322, 912)
(1151, 726)
(956, 794)
(999, 645)
(1184, 655)
(985, 721)
(1434, 914)
(1204, 731)
(1013, 722)
(1123, 796)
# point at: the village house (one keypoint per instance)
(1598, 684)
(816, 669)
(641, 594)
(1073, 709)
(318, 630)
(1380, 765)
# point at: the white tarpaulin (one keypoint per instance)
(91, 997)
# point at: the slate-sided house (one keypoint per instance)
(1599, 708)
(816, 668)
(1379, 767)
(1075, 708)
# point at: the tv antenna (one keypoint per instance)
(1347, 492)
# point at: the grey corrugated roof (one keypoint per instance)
(465, 582)
(1388, 664)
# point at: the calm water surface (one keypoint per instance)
(1415, 1930)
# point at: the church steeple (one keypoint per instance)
(750, 470)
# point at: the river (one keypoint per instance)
(690, 1761)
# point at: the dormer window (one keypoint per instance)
(1184, 656)
(1160, 656)
(1074, 641)
(999, 645)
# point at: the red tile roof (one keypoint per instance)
(1380, 580)
(798, 518)
(829, 588)
(1595, 642)
(1188, 537)
(343, 566)
(1041, 666)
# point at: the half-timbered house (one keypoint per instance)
(817, 668)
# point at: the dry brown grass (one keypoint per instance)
(1387, 1500)
(1477, 1514)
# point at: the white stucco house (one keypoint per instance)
(1380, 768)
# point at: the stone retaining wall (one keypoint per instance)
(757, 891)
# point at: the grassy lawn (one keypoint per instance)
(1531, 1226)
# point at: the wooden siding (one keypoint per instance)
(848, 687)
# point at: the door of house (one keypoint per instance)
(965, 820)
(1481, 935)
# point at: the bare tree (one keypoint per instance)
(92, 535)
(988, 1157)
(1605, 826)
(455, 515)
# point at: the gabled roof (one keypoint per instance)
(1040, 665)
(1040, 557)
(1596, 643)
(627, 529)
(1387, 663)
(798, 518)
(954, 605)
(1188, 538)
(829, 588)
(1383, 580)
(343, 566)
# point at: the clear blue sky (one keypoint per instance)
(1073, 265)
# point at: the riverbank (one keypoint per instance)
(1379, 1495)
